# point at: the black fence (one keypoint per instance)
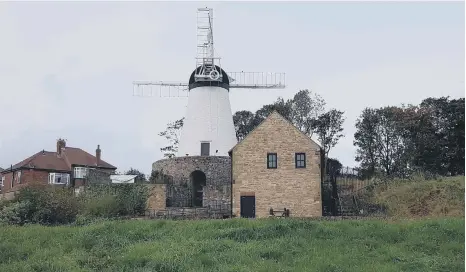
(341, 193)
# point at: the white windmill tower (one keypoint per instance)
(208, 128)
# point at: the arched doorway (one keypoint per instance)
(198, 181)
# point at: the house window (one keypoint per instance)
(205, 149)
(18, 177)
(59, 178)
(271, 160)
(80, 172)
(2, 183)
(300, 160)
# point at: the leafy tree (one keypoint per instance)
(334, 166)
(329, 127)
(366, 139)
(172, 134)
(141, 178)
(281, 106)
(244, 123)
(401, 140)
(446, 126)
(302, 111)
(306, 107)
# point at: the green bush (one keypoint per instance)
(45, 205)
(15, 213)
(104, 206)
(42, 204)
(111, 200)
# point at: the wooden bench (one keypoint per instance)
(279, 212)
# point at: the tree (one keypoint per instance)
(172, 134)
(329, 128)
(141, 178)
(301, 111)
(400, 140)
(446, 123)
(366, 139)
(334, 166)
(244, 123)
(281, 106)
(306, 107)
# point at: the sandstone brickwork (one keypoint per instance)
(296, 189)
(157, 198)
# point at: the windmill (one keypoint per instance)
(208, 128)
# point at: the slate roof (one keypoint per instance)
(60, 162)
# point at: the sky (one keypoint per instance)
(66, 68)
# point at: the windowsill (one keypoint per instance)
(58, 183)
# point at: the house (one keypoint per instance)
(67, 166)
(276, 168)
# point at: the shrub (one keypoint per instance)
(46, 205)
(114, 200)
(103, 206)
(15, 213)
(60, 207)
(42, 204)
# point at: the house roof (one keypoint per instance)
(276, 113)
(53, 161)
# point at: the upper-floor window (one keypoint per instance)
(59, 178)
(300, 160)
(271, 160)
(205, 149)
(80, 172)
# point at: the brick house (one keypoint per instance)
(278, 167)
(67, 166)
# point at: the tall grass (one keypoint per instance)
(420, 197)
(237, 245)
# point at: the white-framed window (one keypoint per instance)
(18, 177)
(80, 172)
(2, 183)
(59, 178)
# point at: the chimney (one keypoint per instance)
(61, 143)
(98, 154)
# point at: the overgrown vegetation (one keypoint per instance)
(237, 245)
(417, 197)
(399, 141)
(46, 205)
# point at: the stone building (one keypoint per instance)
(276, 167)
(200, 183)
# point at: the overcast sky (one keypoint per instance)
(66, 68)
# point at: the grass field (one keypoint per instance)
(237, 245)
(421, 198)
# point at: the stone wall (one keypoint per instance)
(296, 189)
(217, 170)
(157, 197)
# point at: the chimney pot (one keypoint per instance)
(61, 144)
(98, 154)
